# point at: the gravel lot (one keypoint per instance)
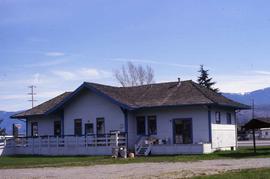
(140, 170)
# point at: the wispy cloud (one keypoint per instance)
(262, 72)
(82, 74)
(154, 62)
(54, 54)
(47, 63)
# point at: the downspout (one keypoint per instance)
(62, 123)
(236, 131)
(210, 125)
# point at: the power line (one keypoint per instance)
(32, 94)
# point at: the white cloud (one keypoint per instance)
(89, 72)
(242, 83)
(66, 75)
(13, 96)
(54, 54)
(154, 62)
(83, 74)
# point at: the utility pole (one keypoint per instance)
(32, 94)
(253, 130)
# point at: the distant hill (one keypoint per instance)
(8, 122)
(261, 97)
(261, 100)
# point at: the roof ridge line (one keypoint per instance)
(202, 92)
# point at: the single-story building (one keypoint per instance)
(179, 117)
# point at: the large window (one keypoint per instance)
(89, 128)
(218, 117)
(141, 125)
(34, 129)
(57, 128)
(152, 125)
(182, 129)
(78, 127)
(100, 126)
(229, 118)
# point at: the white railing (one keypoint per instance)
(68, 141)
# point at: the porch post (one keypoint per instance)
(26, 127)
(125, 112)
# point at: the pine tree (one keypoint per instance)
(205, 80)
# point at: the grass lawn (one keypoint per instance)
(243, 174)
(44, 161)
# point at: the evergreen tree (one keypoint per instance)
(205, 80)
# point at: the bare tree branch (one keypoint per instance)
(132, 75)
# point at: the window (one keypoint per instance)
(34, 129)
(88, 129)
(100, 126)
(218, 117)
(57, 128)
(140, 125)
(152, 125)
(78, 127)
(229, 118)
(182, 129)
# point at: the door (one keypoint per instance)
(182, 131)
(100, 126)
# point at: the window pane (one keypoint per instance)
(218, 117)
(229, 118)
(57, 128)
(89, 129)
(152, 125)
(100, 126)
(140, 125)
(78, 127)
(34, 128)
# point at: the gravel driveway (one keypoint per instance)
(139, 170)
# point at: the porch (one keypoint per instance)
(62, 145)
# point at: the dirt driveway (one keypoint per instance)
(140, 170)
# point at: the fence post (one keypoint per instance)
(95, 140)
(39, 145)
(116, 139)
(57, 143)
(33, 146)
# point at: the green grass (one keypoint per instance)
(243, 174)
(44, 161)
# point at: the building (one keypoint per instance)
(164, 118)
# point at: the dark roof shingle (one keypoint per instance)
(166, 94)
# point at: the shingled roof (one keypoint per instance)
(42, 108)
(185, 93)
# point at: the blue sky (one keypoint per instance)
(56, 45)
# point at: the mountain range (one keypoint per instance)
(261, 103)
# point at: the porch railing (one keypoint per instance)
(68, 141)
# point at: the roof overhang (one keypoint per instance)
(258, 123)
(91, 88)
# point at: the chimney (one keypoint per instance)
(179, 82)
